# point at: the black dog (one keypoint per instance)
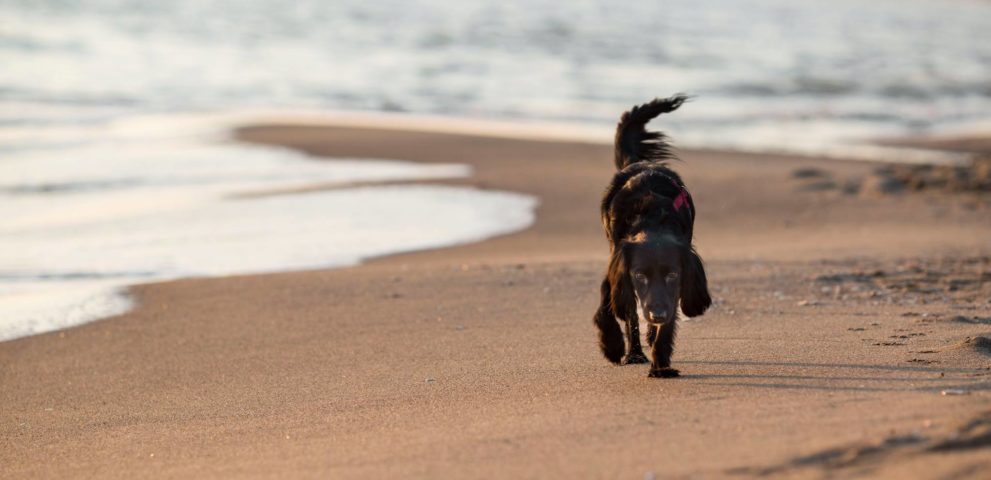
(648, 216)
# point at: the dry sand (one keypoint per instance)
(840, 320)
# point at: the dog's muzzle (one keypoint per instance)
(660, 319)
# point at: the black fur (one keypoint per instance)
(634, 143)
(645, 230)
(694, 286)
(610, 335)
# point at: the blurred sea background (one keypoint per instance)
(115, 166)
(770, 73)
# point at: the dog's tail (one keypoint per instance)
(634, 143)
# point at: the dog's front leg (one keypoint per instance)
(651, 334)
(661, 350)
(635, 355)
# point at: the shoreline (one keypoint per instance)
(479, 360)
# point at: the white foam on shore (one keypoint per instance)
(161, 197)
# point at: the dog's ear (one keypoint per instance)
(623, 299)
(611, 340)
(694, 286)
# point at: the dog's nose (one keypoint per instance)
(658, 316)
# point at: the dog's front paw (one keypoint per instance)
(663, 372)
(634, 358)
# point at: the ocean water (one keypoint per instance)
(767, 73)
(116, 165)
(160, 197)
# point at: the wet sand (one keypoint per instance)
(841, 319)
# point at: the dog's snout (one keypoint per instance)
(658, 315)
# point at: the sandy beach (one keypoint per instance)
(849, 337)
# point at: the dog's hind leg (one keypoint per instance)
(661, 350)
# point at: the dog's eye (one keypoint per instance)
(673, 276)
(640, 277)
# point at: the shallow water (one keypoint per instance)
(132, 205)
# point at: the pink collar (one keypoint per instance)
(682, 198)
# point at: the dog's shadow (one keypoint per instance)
(823, 376)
